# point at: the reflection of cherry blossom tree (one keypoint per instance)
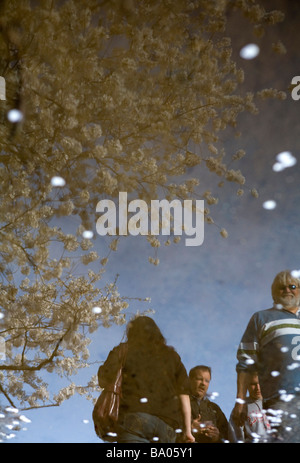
(10, 422)
(114, 96)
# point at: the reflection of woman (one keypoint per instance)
(155, 389)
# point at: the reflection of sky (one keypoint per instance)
(204, 296)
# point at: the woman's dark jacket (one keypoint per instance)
(152, 381)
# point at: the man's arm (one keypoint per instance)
(247, 356)
(239, 412)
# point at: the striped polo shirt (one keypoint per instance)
(271, 345)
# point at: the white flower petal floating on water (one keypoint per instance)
(88, 234)
(12, 410)
(287, 397)
(250, 51)
(284, 349)
(249, 361)
(285, 159)
(58, 181)
(277, 167)
(14, 116)
(96, 310)
(295, 273)
(269, 205)
(278, 306)
(24, 419)
(293, 365)
(239, 401)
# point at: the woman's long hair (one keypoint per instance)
(142, 331)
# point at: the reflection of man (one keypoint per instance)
(209, 423)
(271, 345)
(256, 427)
